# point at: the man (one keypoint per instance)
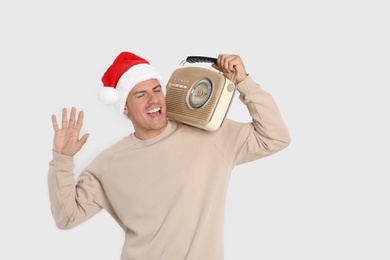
(166, 183)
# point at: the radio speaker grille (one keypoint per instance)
(176, 104)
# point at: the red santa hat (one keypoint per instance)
(125, 72)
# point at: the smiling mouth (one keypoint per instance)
(154, 111)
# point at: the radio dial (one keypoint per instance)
(200, 93)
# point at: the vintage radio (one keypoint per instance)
(199, 96)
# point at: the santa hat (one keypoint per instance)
(125, 72)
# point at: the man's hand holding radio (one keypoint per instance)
(231, 66)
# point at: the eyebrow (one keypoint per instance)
(143, 91)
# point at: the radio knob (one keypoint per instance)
(230, 87)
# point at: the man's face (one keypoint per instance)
(145, 107)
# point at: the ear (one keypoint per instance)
(125, 111)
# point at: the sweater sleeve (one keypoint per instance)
(265, 135)
(72, 203)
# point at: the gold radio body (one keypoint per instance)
(199, 97)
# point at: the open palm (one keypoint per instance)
(66, 139)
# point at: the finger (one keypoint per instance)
(64, 118)
(80, 120)
(231, 62)
(224, 61)
(54, 122)
(72, 117)
(219, 64)
(84, 139)
(220, 61)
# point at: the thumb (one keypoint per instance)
(84, 138)
(215, 66)
(82, 141)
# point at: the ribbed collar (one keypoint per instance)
(171, 127)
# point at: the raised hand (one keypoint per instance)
(231, 65)
(66, 139)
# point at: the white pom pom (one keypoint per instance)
(108, 95)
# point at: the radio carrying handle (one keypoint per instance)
(200, 59)
(196, 59)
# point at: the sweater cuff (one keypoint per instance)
(247, 85)
(62, 162)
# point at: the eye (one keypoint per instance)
(157, 89)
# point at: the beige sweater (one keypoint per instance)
(168, 193)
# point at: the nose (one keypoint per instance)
(152, 98)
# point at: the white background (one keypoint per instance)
(326, 63)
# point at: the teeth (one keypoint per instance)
(153, 110)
